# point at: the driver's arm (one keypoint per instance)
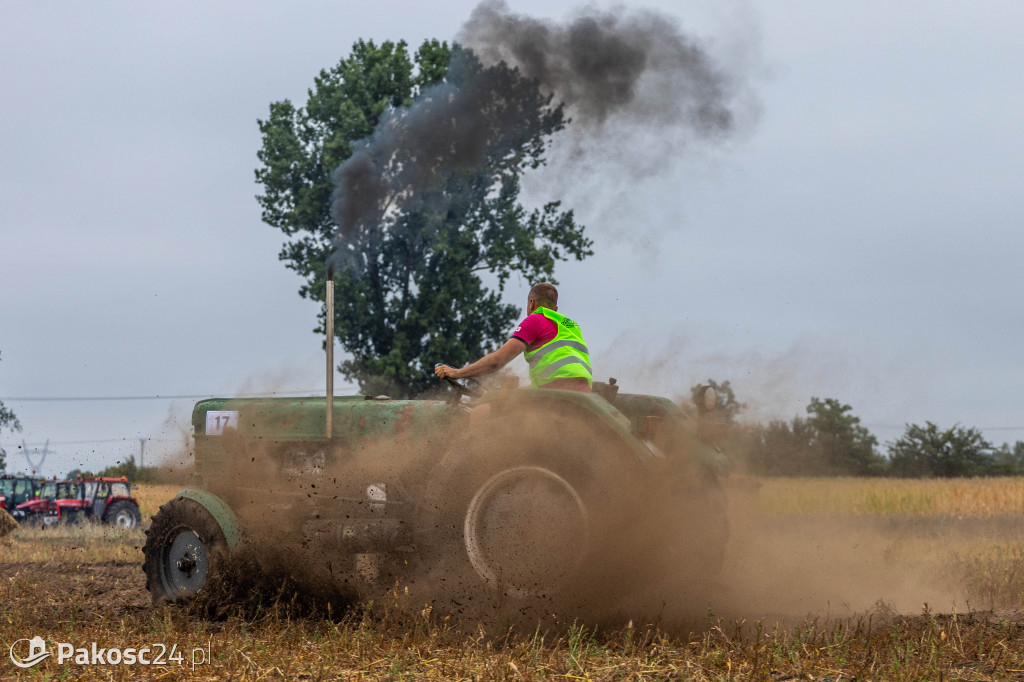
(488, 364)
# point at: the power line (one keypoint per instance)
(198, 396)
(68, 399)
(96, 441)
(980, 428)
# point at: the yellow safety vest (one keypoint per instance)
(563, 357)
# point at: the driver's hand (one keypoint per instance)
(446, 372)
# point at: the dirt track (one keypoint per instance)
(779, 568)
(61, 589)
(107, 602)
(788, 577)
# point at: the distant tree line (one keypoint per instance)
(830, 441)
(128, 468)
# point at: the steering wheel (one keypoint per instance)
(470, 386)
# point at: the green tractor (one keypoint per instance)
(510, 495)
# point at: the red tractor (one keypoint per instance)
(42, 509)
(107, 500)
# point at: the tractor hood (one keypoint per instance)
(302, 419)
(34, 505)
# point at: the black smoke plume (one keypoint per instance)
(615, 74)
(479, 113)
(627, 64)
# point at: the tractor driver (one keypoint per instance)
(554, 347)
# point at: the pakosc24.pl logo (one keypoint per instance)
(154, 654)
(36, 652)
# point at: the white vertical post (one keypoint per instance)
(330, 352)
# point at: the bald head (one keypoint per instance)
(543, 295)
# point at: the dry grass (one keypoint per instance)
(84, 585)
(80, 544)
(958, 497)
(384, 644)
(151, 496)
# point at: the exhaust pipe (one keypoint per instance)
(328, 427)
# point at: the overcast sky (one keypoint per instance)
(860, 240)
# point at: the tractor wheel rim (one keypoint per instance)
(526, 531)
(185, 563)
(125, 519)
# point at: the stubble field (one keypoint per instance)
(834, 579)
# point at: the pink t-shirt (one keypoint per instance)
(535, 331)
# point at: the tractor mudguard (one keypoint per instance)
(220, 512)
(587, 406)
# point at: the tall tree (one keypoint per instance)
(927, 451)
(410, 283)
(7, 421)
(843, 445)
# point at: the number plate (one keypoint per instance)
(218, 420)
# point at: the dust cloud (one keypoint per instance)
(661, 547)
(651, 546)
(823, 566)
(567, 544)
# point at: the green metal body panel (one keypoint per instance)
(219, 510)
(278, 422)
(302, 419)
(636, 406)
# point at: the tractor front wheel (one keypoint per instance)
(184, 550)
(34, 520)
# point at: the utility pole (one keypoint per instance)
(142, 452)
(329, 324)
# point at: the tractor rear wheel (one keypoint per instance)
(123, 514)
(529, 523)
(184, 551)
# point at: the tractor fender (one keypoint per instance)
(588, 406)
(219, 510)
